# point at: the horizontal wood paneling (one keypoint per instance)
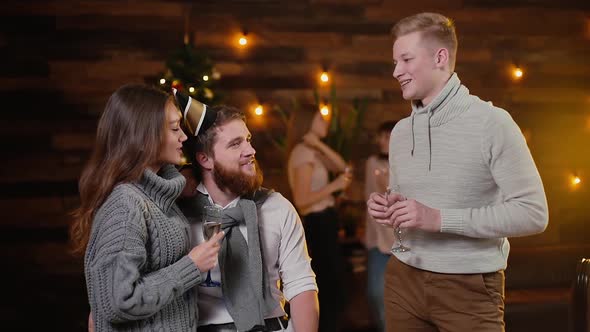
(60, 60)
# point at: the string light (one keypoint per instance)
(205, 78)
(243, 40)
(324, 77)
(575, 180)
(518, 73)
(191, 89)
(259, 110)
(325, 110)
(162, 81)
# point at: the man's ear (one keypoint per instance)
(204, 160)
(442, 57)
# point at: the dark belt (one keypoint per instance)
(272, 324)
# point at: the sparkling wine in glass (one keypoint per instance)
(211, 226)
(398, 245)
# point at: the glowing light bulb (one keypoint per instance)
(324, 77)
(162, 81)
(259, 110)
(205, 78)
(325, 110)
(576, 180)
(243, 40)
(518, 73)
(191, 89)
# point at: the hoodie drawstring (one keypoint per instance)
(429, 142)
(413, 138)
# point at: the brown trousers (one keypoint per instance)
(418, 300)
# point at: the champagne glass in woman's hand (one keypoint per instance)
(211, 226)
(397, 231)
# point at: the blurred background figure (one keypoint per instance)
(378, 240)
(309, 165)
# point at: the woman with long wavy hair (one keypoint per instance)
(139, 265)
(308, 167)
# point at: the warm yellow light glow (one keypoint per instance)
(576, 180)
(325, 110)
(162, 81)
(518, 73)
(259, 110)
(191, 89)
(324, 77)
(243, 40)
(205, 78)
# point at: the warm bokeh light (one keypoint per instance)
(259, 110)
(325, 110)
(205, 78)
(517, 73)
(324, 77)
(191, 89)
(576, 180)
(162, 81)
(243, 40)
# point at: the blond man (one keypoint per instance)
(467, 181)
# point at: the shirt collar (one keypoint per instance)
(201, 188)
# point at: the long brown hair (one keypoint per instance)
(128, 140)
(299, 124)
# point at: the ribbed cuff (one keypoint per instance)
(186, 272)
(451, 221)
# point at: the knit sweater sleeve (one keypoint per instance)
(123, 290)
(523, 208)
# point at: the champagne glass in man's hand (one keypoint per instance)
(397, 231)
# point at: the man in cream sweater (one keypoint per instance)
(467, 182)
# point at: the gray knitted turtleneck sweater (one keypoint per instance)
(138, 274)
(469, 159)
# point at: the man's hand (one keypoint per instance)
(380, 207)
(413, 214)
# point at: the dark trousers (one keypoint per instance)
(321, 233)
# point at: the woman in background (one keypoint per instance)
(310, 161)
(138, 261)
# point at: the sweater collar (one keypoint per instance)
(162, 188)
(451, 102)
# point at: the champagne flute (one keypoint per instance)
(211, 226)
(397, 231)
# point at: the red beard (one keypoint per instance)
(236, 181)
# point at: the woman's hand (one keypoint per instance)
(205, 254)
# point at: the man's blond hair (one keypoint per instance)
(433, 27)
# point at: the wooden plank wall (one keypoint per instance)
(60, 60)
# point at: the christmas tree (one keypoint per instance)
(191, 71)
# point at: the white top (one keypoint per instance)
(284, 252)
(301, 155)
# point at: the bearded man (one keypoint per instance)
(263, 261)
